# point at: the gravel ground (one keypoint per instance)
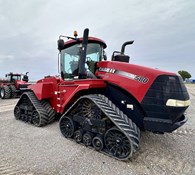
(28, 150)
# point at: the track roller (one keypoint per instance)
(78, 135)
(87, 138)
(98, 143)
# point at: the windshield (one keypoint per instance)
(14, 77)
(70, 59)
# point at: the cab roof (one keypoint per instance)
(90, 40)
(14, 74)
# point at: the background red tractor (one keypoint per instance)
(104, 104)
(13, 85)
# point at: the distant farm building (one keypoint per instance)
(190, 81)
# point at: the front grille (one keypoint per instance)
(23, 86)
(165, 87)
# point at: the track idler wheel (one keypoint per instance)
(17, 113)
(67, 127)
(36, 120)
(117, 143)
(97, 143)
(78, 135)
(87, 139)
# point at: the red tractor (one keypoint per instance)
(13, 85)
(104, 104)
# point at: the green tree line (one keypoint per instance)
(184, 74)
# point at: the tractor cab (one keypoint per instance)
(72, 60)
(79, 56)
(13, 77)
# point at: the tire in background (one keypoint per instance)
(13, 91)
(5, 92)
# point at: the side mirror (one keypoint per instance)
(60, 44)
(121, 58)
(117, 56)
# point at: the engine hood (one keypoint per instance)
(133, 78)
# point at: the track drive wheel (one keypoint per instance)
(117, 143)
(17, 112)
(67, 127)
(90, 110)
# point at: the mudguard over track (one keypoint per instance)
(119, 121)
(30, 109)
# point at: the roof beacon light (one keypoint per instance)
(75, 34)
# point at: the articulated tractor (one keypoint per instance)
(13, 85)
(104, 104)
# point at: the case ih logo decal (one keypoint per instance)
(141, 79)
(108, 70)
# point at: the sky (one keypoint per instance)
(163, 31)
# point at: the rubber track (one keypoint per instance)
(50, 111)
(117, 117)
(38, 106)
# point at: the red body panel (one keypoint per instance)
(20, 82)
(4, 82)
(46, 88)
(73, 87)
(17, 83)
(42, 90)
(60, 92)
(133, 78)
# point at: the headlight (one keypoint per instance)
(177, 103)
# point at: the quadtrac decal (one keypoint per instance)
(138, 78)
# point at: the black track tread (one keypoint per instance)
(37, 105)
(118, 118)
(125, 124)
(50, 111)
(13, 91)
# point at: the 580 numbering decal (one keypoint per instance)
(138, 78)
